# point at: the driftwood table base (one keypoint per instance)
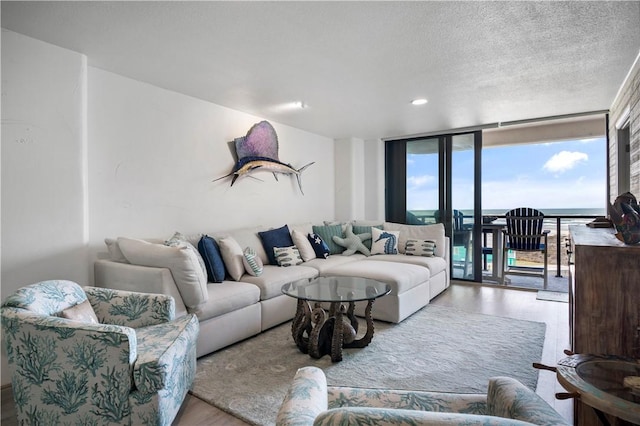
(318, 332)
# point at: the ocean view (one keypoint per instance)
(428, 216)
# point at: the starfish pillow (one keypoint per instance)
(353, 242)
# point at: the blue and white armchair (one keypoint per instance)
(87, 355)
(310, 402)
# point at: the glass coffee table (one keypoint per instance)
(319, 332)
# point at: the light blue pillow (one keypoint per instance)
(252, 262)
(327, 232)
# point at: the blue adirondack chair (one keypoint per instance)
(524, 233)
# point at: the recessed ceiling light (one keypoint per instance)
(420, 101)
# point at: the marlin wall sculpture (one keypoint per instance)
(258, 151)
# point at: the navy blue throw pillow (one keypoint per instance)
(210, 253)
(319, 246)
(280, 237)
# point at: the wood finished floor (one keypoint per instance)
(467, 297)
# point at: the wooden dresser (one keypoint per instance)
(604, 299)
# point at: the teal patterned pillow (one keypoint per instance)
(327, 232)
(287, 256)
(425, 248)
(252, 262)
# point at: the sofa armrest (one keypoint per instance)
(144, 279)
(507, 397)
(390, 416)
(130, 308)
(165, 351)
(447, 250)
(305, 399)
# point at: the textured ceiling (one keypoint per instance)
(358, 64)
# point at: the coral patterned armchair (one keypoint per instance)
(310, 402)
(87, 355)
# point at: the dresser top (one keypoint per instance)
(583, 235)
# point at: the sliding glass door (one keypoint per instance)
(436, 180)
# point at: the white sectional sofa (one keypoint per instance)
(233, 310)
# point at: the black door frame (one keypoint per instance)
(396, 188)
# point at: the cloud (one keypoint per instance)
(417, 182)
(564, 160)
(539, 193)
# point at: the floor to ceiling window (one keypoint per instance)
(458, 180)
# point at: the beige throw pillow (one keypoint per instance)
(182, 262)
(82, 312)
(305, 248)
(232, 256)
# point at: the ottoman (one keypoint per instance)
(409, 287)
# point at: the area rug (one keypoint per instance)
(437, 348)
(553, 296)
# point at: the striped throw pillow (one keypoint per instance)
(252, 262)
(420, 248)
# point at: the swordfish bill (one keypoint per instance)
(247, 165)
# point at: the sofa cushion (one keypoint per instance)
(303, 244)
(279, 237)
(327, 232)
(252, 262)
(233, 257)
(115, 253)
(400, 276)
(434, 232)
(435, 264)
(323, 265)
(228, 296)
(208, 248)
(182, 262)
(246, 237)
(384, 242)
(274, 277)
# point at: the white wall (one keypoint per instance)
(359, 179)
(88, 154)
(154, 153)
(374, 180)
(43, 155)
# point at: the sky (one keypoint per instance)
(567, 174)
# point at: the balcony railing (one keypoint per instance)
(559, 222)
